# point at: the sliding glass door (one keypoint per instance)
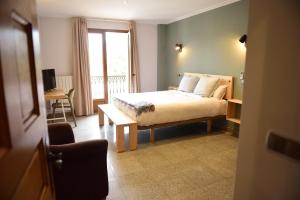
(117, 63)
(96, 65)
(109, 61)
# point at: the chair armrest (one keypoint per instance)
(60, 133)
(85, 164)
(81, 150)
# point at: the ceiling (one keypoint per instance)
(146, 11)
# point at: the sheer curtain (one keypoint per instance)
(83, 102)
(134, 78)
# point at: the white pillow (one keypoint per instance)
(220, 92)
(188, 83)
(206, 86)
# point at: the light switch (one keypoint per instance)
(288, 147)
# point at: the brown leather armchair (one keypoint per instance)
(79, 169)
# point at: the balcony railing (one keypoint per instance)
(116, 85)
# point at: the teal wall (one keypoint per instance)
(161, 57)
(210, 45)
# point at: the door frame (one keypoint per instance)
(104, 65)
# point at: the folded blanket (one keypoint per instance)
(138, 105)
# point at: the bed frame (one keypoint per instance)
(224, 80)
(121, 119)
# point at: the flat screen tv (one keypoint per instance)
(49, 79)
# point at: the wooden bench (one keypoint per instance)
(115, 116)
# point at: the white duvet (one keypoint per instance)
(173, 106)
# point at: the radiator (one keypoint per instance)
(64, 83)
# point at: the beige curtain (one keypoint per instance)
(83, 103)
(134, 80)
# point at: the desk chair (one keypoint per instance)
(68, 104)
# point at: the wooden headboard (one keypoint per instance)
(224, 80)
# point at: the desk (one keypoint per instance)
(56, 94)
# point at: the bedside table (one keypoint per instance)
(172, 88)
(234, 110)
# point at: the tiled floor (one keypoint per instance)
(184, 163)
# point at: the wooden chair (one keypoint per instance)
(68, 104)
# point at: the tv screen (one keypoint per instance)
(49, 79)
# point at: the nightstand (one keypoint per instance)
(172, 88)
(234, 108)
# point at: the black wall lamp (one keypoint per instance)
(243, 39)
(178, 47)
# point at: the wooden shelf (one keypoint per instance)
(172, 88)
(238, 101)
(235, 120)
(234, 110)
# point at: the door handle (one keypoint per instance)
(56, 159)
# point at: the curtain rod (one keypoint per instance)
(108, 20)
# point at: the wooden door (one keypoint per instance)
(23, 165)
(268, 158)
(97, 43)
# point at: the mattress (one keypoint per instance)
(172, 106)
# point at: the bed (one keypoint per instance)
(174, 107)
(168, 105)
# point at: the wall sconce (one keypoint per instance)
(243, 39)
(178, 47)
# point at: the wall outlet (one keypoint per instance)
(242, 77)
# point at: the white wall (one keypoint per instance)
(56, 44)
(56, 47)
